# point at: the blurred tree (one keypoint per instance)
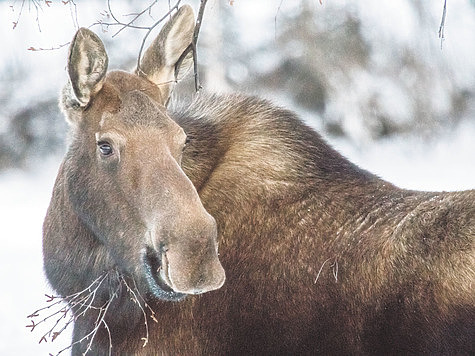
(362, 70)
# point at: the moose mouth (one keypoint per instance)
(157, 285)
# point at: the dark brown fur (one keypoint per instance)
(321, 257)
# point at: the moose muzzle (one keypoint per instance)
(185, 262)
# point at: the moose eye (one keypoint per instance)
(187, 141)
(105, 148)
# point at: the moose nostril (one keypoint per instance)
(154, 262)
(153, 259)
(153, 268)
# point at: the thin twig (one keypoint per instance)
(77, 305)
(70, 297)
(37, 6)
(442, 24)
(193, 48)
(15, 23)
(48, 49)
(150, 29)
(129, 24)
(74, 13)
(194, 43)
(136, 300)
(275, 19)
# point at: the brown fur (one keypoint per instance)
(320, 256)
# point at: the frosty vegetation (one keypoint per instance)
(362, 70)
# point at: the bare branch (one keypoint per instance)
(275, 18)
(48, 49)
(130, 24)
(136, 300)
(196, 33)
(442, 24)
(37, 6)
(123, 25)
(15, 23)
(74, 11)
(75, 306)
(150, 29)
(70, 308)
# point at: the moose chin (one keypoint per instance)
(316, 256)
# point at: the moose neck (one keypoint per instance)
(245, 151)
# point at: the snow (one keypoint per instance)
(445, 164)
(24, 200)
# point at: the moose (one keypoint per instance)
(238, 229)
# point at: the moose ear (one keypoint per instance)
(162, 63)
(87, 65)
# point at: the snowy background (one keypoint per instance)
(369, 75)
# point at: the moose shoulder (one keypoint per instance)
(320, 257)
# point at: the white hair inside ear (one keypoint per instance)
(160, 60)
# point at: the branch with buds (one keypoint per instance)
(37, 5)
(110, 20)
(150, 28)
(61, 312)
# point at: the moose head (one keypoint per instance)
(122, 176)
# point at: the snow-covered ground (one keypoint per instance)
(24, 198)
(445, 163)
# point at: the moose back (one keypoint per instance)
(316, 256)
